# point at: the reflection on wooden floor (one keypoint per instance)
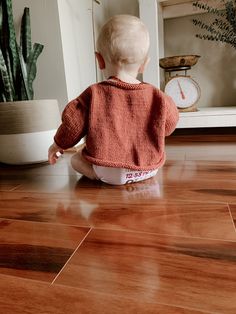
(167, 245)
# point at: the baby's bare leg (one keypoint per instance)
(81, 165)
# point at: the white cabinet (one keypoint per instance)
(154, 13)
(208, 117)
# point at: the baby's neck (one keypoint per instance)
(125, 76)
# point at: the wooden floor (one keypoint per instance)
(167, 245)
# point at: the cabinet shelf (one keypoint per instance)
(179, 8)
(153, 13)
(208, 117)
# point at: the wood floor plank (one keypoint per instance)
(49, 184)
(36, 251)
(191, 273)
(21, 296)
(201, 194)
(11, 182)
(127, 209)
(61, 168)
(199, 150)
(198, 173)
(166, 245)
(212, 151)
(7, 186)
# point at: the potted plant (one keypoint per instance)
(223, 27)
(26, 125)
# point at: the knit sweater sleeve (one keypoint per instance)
(74, 121)
(172, 115)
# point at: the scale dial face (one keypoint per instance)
(183, 90)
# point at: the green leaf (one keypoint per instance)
(231, 13)
(25, 93)
(12, 38)
(222, 29)
(25, 37)
(207, 8)
(2, 97)
(3, 28)
(9, 70)
(17, 64)
(31, 66)
(1, 17)
(5, 79)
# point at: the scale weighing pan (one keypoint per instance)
(176, 62)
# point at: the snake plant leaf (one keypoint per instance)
(17, 64)
(2, 97)
(2, 32)
(9, 70)
(12, 38)
(5, 79)
(1, 17)
(25, 93)
(25, 35)
(31, 66)
(3, 28)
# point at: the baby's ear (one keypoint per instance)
(144, 65)
(101, 61)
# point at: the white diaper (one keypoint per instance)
(120, 176)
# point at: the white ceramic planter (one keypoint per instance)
(27, 130)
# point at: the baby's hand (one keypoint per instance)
(53, 153)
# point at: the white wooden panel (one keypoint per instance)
(178, 8)
(77, 43)
(149, 15)
(208, 117)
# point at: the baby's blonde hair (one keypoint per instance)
(124, 40)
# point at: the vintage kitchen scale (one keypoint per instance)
(181, 88)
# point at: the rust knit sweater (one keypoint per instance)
(125, 124)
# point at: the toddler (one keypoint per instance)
(125, 121)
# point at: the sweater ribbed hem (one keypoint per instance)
(105, 163)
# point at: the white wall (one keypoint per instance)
(50, 80)
(108, 8)
(216, 69)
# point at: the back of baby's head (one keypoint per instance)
(124, 39)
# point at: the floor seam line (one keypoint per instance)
(231, 216)
(81, 242)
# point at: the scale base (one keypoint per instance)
(189, 109)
